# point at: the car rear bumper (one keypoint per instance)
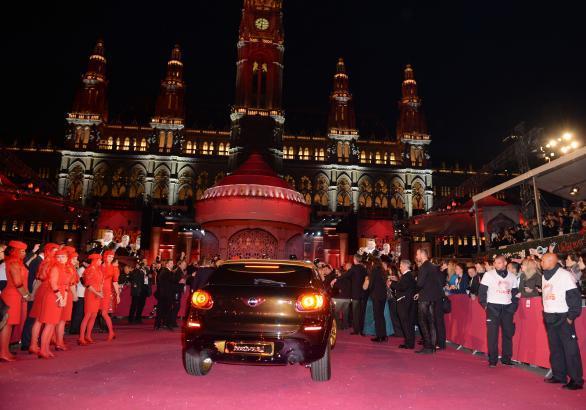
(302, 347)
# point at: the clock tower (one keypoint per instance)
(257, 118)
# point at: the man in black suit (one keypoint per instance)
(357, 273)
(430, 293)
(139, 291)
(474, 284)
(33, 262)
(405, 287)
(377, 289)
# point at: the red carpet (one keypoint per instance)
(142, 369)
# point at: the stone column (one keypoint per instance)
(332, 191)
(172, 196)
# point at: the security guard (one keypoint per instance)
(497, 294)
(561, 306)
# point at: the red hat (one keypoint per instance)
(17, 244)
(94, 256)
(62, 252)
(50, 246)
(69, 249)
(73, 255)
(108, 253)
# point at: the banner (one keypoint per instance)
(560, 244)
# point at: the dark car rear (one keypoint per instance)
(260, 312)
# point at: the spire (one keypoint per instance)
(341, 121)
(411, 123)
(170, 109)
(90, 102)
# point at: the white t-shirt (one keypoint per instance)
(3, 271)
(554, 291)
(499, 288)
(80, 287)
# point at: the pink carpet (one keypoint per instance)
(142, 369)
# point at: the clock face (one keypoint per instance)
(261, 23)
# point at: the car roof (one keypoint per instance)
(286, 262)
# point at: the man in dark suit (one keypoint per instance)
(405, 287)
(357, 273)
(377, 289)
(139, 291)
(474, 283)
(430, 293)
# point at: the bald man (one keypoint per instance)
(497, 294)
(562, 304)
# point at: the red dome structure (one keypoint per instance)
(251, 213)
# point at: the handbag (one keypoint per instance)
(446, 304)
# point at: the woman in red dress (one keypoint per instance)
(15, 295)
(40, 286)
(54, 301)
(111, 274)
(93, 281)
(71, 267)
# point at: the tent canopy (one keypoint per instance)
(557, 177)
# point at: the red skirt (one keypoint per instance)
(91, 303)
(50, 310)
(38, 302)
(16, 304)
(68, 309)
(105, 302)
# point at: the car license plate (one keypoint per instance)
(250, 348)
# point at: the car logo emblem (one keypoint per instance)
(254, 302)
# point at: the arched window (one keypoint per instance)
(397, 190)
(322, 155)
(161, 185)
(162, 137)
(143, 144)
(306, 153)
(305, 189)
(221, 149)
(386, 158)
(377, 158)
(136, 182)
(205, 148)
(320, 197)
(347, 151)
(344, 198)
(381, 192)
(110, 144)
(259, 84)
(340, 150)
(365, 193)
(118, 144)
(119, 183)
(211, 148)
(291, 153)
(169, 143)
(363, 157)
(393, 161)
(75, 183)
(188, 148)
(100, 185)
(418, 196)
(126, 145)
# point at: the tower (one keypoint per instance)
(342, 130)
(90, 107)
(411, 126)
(257, 118)
(169, 119)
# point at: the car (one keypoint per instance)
(260, 312)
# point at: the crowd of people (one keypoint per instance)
(379, 295)
(564, 221)
(376, 294)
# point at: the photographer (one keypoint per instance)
(404, 285)
(341, 292)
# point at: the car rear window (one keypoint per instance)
(262, 275)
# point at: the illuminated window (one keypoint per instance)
(211, 148)
(110, 143)
(126, 145)
(291, 153)
(386, 158)
(362, 156)
(322, 154)
(31, 227)
(3, 226)
(117, 143)
(393, 162)
(306, 153)
(221, 149)
(162, 137)
(39, 226)
(227, 148)
(50, 226)
(143, 144)
(340, 151)
(189, 148)
(377, 158)
(204, 150)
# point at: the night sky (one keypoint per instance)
(482, 66)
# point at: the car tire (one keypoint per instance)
(197, 363)
(321, 370)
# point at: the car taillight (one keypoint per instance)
(202, 300)
(310, 302)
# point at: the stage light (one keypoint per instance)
(574, 191)
(574, 144)
(567, 136)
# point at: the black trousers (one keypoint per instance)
(175, 308)
(358, 311)
(27, 329)
(164, 309)
(426, 318)
(76, 317)
(380, 324)
(440, 325)
(500, 317)
(342, 309)
(404, 309)
(564, 351)
(393, 309)
(136, 308)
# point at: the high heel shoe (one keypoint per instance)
(82, 342)
(90, 341)
(7, 359)
(45, 356)
(33, 350)
(61, 348)
(111, 337)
